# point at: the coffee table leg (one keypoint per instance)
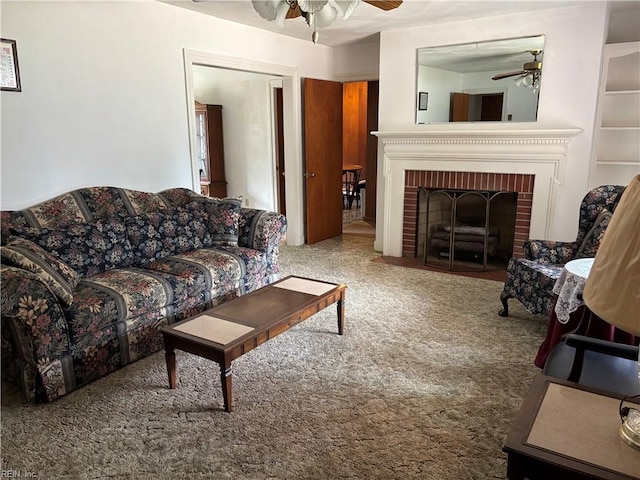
(226, 380)
(170, 357)
(341, 313)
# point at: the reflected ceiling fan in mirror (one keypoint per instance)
(317, 13)
(530, 74)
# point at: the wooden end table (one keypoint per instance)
(567, 431)
(228, 331)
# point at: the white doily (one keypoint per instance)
(569, 285)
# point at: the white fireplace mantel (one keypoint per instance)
(471, 148)
(483, 136)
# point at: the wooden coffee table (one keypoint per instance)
(230, 330)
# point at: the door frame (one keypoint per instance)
(273, 85)
(292, 119)
(495, 91)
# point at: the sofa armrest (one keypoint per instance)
(550, 252)
(263, 230)
(39, 331)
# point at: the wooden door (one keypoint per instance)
(218, 186)
(322, 105)
(459, 107)
(372, 152)
(354, 125)
(282, 200)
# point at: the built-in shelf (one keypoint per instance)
(617, 136)
(622, 92)
(617, 162)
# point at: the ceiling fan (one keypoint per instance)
(529, 69)
(295, 11)
(317, 13)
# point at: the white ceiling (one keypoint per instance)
(491, 56)
(367, 21)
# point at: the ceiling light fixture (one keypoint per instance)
(530, 74)
(529, 79)
(317, 13)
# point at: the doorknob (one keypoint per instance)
(309, 174)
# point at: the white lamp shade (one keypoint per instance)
(323, 18)
(346, 7)
(272, 10)
(612, 290)
(312, 6)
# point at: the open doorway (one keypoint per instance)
(239, 105)
(486, 107)
(254, 175)
(360, 152)
(278, 144)
(478, 105)
(245, 177)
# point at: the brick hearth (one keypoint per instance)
(522, 184)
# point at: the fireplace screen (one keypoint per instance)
(467, 229)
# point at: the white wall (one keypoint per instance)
(246, 119)
(519, 102)
(573, 51)
(357, 61)
(438, 84)
(103, 93)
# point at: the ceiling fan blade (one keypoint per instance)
(294, 12)
(384, 5)
(500, 76)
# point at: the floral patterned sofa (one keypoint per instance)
(88, 278)
(531, 279)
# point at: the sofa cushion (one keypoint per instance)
(113, 296)
(192, 231)
(592, 240)
(56, 274)
(224, 216)
(156, 235)
(213, 268)
(88, 248)
(146, 233)
(253, 262)
(104, 301)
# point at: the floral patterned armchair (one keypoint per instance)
(531, 279)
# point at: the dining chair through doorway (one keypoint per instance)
(350, 185)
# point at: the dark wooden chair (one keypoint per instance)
(350, 186)
(602, 364)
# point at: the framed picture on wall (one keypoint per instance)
(423, 100)
(9, 71)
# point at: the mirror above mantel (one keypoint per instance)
(490, 81)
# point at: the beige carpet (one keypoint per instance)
(423, 385)
(496, 273)
(361, 228)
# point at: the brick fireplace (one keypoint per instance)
(522, 184)
(517, 158)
